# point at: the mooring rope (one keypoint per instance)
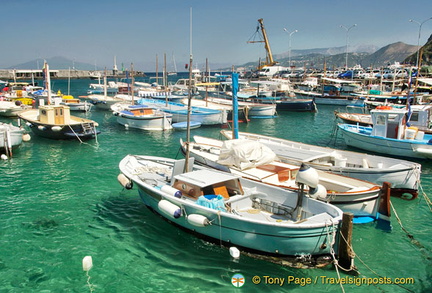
(75, 133)
(333, 253)
(91, 287)
(220, 228)
(356, 256)
(428, 200)
(400, 222)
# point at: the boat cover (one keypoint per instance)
(244, 154)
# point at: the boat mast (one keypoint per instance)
(235, 104)
(132, 83)
(186, 168)
(47, 81)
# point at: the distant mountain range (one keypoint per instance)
(57, 62)
(366, 56)
(336, 57)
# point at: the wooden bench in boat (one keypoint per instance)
(283, 173)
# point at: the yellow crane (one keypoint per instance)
(269, 56)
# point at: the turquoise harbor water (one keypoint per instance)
(60, 201)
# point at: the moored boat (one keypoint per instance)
(420, 117)
(390, 134)
(229, 209)
(141, 116)
(55, 121)
(179, 112)
(254, 161)
(11, 109)
(403, 175)
(11, 136)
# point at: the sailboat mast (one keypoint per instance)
(47, 82)
(69, 82)
(234, 78)
(186, 168)
(132, 83)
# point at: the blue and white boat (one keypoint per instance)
(229, 209)
(184, 125)
(390, 134)
(179, 112)
(141, 117)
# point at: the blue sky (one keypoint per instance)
(135, 31)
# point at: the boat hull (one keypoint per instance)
(360, 137)
(179, 112)
(155, 123)
(79, 128)
(296, 105)
(262, 238)
(10, 136)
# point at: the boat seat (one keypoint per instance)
(283, 173)
(318, 218)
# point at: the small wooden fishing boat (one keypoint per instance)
(254, 161)
(141, 117)
(227, 208)
(390, 135)
(403, 175)
(55, 121)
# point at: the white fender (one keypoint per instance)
(124, 181)
(198, 220)
(171, 191)
(169, 209)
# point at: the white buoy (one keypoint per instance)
(3, 157)
(198, 220)
(87, 263)
(234, 252)
(56, 128)
(26, 137)
(40, 127)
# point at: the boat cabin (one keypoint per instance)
(58, 114)
(421, 116)
(138, 110)
(391, 123)
(203, 182)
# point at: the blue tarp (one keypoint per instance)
(212, 201)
